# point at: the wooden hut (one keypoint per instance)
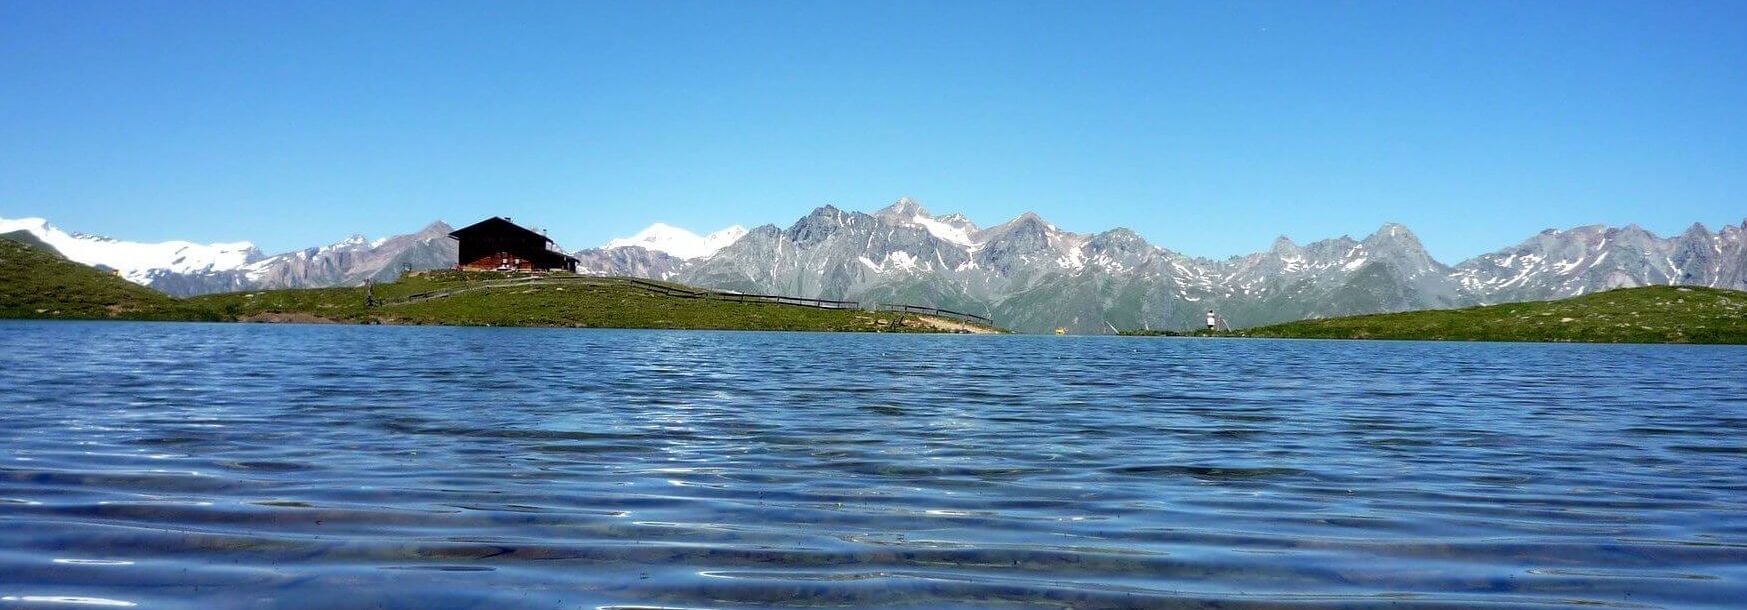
(496, 244)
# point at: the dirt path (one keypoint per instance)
(274, 317)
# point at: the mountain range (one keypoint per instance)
(1026, 273)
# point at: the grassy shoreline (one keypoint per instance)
(1651, 314)
(575, 302)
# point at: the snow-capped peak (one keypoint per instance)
(137, 261)
(680, 243)
(355, 242)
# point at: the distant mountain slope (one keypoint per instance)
(39, 283)
(1654, 314)
(1556, 264)
(139, 262)
(355, 260)
(182, 268)
(678, 243)
(631, 261)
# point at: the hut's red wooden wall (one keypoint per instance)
(493, 261)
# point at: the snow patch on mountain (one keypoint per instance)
(896, 261)
(677, 242)
(953, 234)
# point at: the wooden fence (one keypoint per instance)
(714, 295)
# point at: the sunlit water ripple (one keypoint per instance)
(240, 466)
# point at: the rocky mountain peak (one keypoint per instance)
(1284, 246)
(825, 214)
(1119, 239)
(1392, 235)
(436, 228)
(1338, 247)
(956, 219)
(821, 223)
(904, 209)
(1632, 230)
(1029, 224)
(1634, 236)
(1393, 230)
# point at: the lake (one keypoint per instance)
(285, 466)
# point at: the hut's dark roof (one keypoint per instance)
(495, 224)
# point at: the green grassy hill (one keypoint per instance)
(1655, 314)
(28, 239)
(38, 283)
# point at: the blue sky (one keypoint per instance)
(1209, 128)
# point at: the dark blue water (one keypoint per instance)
(241, 466)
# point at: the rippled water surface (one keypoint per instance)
(241, 466)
